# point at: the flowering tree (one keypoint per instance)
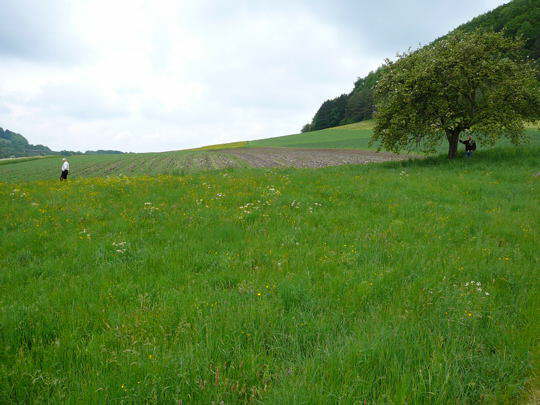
(479, 83)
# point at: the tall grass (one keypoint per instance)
(402, 283)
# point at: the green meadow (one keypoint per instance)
(357, 136)
(402, 282)
(353, 136)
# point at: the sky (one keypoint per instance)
(157, 75)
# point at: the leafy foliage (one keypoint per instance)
(331, 113)
(476, 82)
(306, 128)
(518, 18)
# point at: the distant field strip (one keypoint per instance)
(330, 147)
(309, 158)
(190, 161)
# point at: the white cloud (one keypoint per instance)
(142, 75)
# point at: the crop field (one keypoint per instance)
(118, 165)
(183, 162)
(331, 147)
(400, 282)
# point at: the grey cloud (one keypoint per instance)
(80, 100)
(263, 70)
(37, 30)
(385, 27)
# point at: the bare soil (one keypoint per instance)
(310, 158)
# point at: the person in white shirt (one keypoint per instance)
(65, 170)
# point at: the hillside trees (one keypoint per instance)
(518, 18)
(330, 114)
(13, 144)
(479, 83)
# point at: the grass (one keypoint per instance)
(356, 136)
(224, 146)
(214, 157)
(411, 282)
(346, 137)
(10, 161)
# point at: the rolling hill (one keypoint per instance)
(329, 147)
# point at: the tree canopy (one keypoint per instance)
(480, 83)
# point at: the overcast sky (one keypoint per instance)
(155, 75)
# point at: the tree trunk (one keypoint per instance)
(453, 140)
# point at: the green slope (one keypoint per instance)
(353, 136)
(397, 283)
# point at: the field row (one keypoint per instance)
(188, 161)
(330, 147)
